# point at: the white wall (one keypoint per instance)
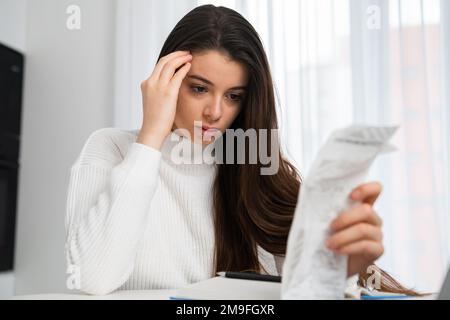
(68, 94)
(12, 34)
(13, 23)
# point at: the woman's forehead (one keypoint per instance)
(218, 69)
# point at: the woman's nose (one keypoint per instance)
(214, 110)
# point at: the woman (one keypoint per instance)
(138, 220)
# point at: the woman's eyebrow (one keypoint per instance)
(193, 76)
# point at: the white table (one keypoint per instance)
(134, 295)
(117, 295)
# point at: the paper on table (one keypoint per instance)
(221, 288)
(311, 271)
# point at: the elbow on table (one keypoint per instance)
(97, 282)
(100, 287)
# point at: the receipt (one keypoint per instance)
(311, 270)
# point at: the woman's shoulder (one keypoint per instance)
(117, 135)
(106, 147)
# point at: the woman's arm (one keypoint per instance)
(108, 200)
(109, 197)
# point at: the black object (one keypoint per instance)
(250, 276)
(11, 85)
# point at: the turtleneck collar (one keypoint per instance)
(184, 155)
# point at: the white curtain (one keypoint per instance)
(334, 63)
(141, 29)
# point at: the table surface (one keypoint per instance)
(135, 295)
(117, 295)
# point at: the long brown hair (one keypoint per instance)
(250, 209)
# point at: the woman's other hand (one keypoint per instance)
(357, 231)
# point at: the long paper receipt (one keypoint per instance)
(311, 270)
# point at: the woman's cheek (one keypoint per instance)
(233, 114)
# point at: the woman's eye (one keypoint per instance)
(198, 89)
(235, 97)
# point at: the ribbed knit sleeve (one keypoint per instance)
(279, 262)
(108, 202)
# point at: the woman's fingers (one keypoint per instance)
(159, 99)
(159, 66)
(355, 233)
(367, 193)
(169, 68)
(370, 250)
(357, 214)
(179, 76)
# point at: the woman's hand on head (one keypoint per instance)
(160, 95)
(357, 232)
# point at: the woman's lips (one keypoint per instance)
(209, 132)
(209, 129)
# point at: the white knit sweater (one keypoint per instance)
(137, 220)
